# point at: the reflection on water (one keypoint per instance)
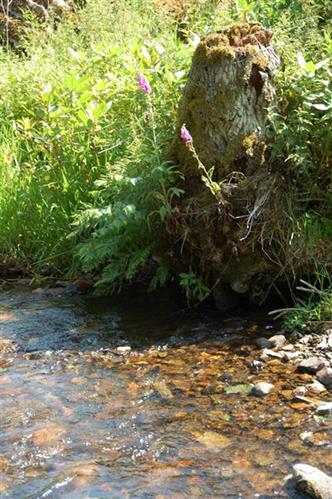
(133, 400)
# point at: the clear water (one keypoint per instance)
(81, 419)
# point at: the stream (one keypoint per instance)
(134, 398)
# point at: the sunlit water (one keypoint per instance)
(81, 419)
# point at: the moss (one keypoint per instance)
(249, 142)
(212, 49)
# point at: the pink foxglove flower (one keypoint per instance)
(185, 134)
(143, 83)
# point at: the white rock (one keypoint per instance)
(124, 349)
(312, 482)
(316, 387)
(261, 389)
(324, 408)
(278, 340)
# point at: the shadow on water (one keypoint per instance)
(138, 397)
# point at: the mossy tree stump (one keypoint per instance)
(224, 106)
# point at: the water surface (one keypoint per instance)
(83, 417)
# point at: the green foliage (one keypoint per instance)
(193, 286)
(314, 307)
(85, 184)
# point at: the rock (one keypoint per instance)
(329, 340)
(163, 390)
(311, 365)
(225, 298)
(300, 391)
(261, 389)
(270, 353)
(277, 341)
(288, 348)
(49, 435)
(290, 355)
(324, 408)
(312, 482)
(316, 387)
(123, 350)
(325, 376)
(257, 365)
(263, 342)
(213, 440)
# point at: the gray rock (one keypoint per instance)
(261, 389)
(288, 348)
(290, 355)
(270, 353)
(312, 482)
(263, 342)
(311, 365)
(277, 341)
(257, 364)
(316, 387)
(300, 391)
(325, 376)
(324, 408)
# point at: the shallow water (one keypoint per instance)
(81, 418)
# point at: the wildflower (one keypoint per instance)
(143, 83)
(185, 134)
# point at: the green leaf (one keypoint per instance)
(301, 60)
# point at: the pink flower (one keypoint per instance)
(185, 134)
(143, 83)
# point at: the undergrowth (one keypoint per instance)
(85, 182)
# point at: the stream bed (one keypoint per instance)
(103, 399)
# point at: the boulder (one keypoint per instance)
(312, 482)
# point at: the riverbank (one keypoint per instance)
(87, 184)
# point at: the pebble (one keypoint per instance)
(300, 390)
(311, 365)
(124, 349)
(316, 387)
(290, 355)
(277, 341)
(324, 408)
(325, 376)
(266, 354)
(263, 342)
(261, 389)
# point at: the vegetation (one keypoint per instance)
(85, 179)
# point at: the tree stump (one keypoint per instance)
(225, 106)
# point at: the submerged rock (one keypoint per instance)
(312, 482)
